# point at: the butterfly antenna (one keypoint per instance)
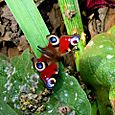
(45, 52)
(40, 49)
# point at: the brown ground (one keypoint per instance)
(13, 42)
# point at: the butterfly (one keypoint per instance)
(47, 64)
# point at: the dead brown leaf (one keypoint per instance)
(1, 0)
(101, 21)
(2, 29)
(10, 31)
(6, 37)
(13, 52)
(23, 44)
(55, 19)
(110, 19)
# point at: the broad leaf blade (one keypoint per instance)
(67, 91)
(5, 109)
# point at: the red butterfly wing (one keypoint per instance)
(67, 43)
(47, 71)
(63, 44)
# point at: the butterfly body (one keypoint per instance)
(47, 64)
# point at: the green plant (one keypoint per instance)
(73, 22)
(17, 73)
(97, 68)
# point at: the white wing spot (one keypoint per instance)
(1, 108)
(14, 71)
(64, 82)
(66, 74)
(75, 98)
(48, 107)
(80, 101)
(109, 56)
(15, 98)
(10, 86)
(4, 92)
(65, 91)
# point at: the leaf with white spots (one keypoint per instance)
(18, 75)
(97, 63)
(5, 73)
(15, 74)
(97, 68)
(68, 92)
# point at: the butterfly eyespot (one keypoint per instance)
(74, 41)
(54, 40)
(40, 66)
(51, 82)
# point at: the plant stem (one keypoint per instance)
(74, 23)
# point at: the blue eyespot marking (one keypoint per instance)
(76, 38)
(39, 65)
(53, 39)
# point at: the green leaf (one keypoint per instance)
(112, 96)
(94, 108)
(97, 68)
(5, 109)
(97, 62)
(67, 91)
(15, 74)
(112, 92)
(5, 72)
(71, 93)
(74, 24)
(3, 64)
(30, 21)
(35, 30)
(112, 30)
